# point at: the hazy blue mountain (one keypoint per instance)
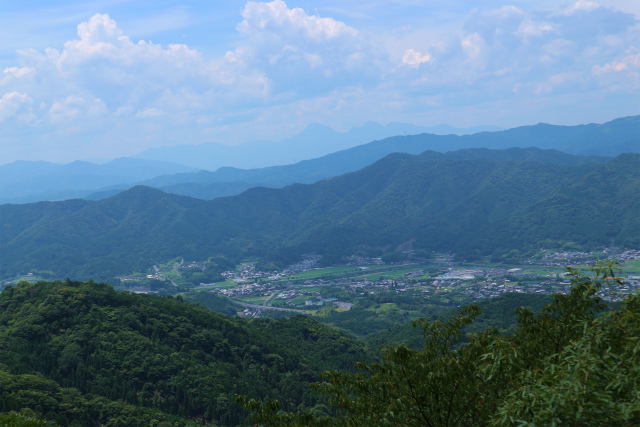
(207, 191)
(23, 181)
(35, 181)
(230, 181)
(591, 141)
(610, 139)
(471, 207)
(314, 141)
(203, 184)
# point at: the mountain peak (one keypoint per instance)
(314, 130)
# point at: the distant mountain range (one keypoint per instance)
(314, 141)
(473, 203)
(608, 139)
(615, 137)
(23, 182)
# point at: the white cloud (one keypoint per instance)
(628, 63)
(291, 47)
(102, 44)
(74, 108)
(499, 48)
(530, 28)
(559, 80)
(475, 47)
(18, 72)
(13, 104)
(413, 58)
(104, 63)
(581, 6)
(275, 17)
(288, 67)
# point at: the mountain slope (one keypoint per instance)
(204, 184)
(100, 357)
(23, 182)
(610, 139)
(471, 207)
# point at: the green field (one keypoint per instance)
(394, 271)
(355, 272)
(30, 279)
(323, 272)
(299, 300)
(254, 300)
(317, 288)
(631, 267)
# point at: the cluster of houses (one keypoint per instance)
(248, 290)
(191, 265)
(492, 289)
(249, 272)
(554, 283)
(628, 255)
(559, 259)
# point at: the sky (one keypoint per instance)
(111, 78)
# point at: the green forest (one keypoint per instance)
(575, 363)
(83, 354)
(474, 204)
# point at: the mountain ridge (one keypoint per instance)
(315, 140)
(471, 207)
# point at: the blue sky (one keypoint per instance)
(86, 79)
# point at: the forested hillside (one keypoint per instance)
(608, 139)
(23, 182)
(574, 363)
(472, 208)
(83, 354)
(538, 143)
(498, 313)
(205, 184)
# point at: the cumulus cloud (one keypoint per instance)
(292, 47)
(18, 72)
(13, 104)
(277, 18)
(539, 51)
(288, 65)
(413, 58)
(103, 63)
(73, 108)
(581, 6)
(109, 64)
(628, 63)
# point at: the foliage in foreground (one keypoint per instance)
(24, 418)
(83, 354)
(577, 363)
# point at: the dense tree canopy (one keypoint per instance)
(470, 206)
(80, 353)
(576, 363)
